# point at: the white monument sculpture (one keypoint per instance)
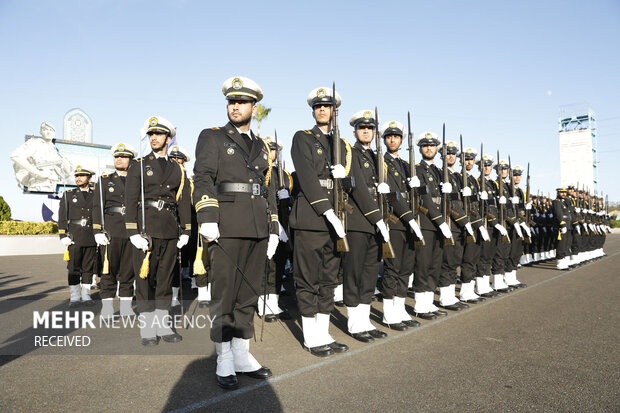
(37, 163)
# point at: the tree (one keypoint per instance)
(5, 210)
(261, 114)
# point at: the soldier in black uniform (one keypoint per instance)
(461, 228)
(362, 263)
(316, 228)
(518, 242)
(564, 226)
(75, 221)
(235, 205)
(270, 301)
(153, 229)
(488, 199)
(571, 199)
(471, 250)
(111, 235)
(434, 229)
(403, 233)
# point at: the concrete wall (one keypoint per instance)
(30, 245)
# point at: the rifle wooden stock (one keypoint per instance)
(388, 250)
(414, 198)
(342, 245)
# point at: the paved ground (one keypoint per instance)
(549, 347)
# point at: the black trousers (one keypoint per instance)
(315, 267)
(562, 245)
(276, 269)
(361, 268)
(396, 271)
(451, 259)
(502, 253)
(471, 259)
(235, 297)
(81, 264)
(120, 257)
(516, 251)
(427, 262)
(575, 247)
(487, 252)
(155, 291)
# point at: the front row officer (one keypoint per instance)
(156, 240)
(75, 221)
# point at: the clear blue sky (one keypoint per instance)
(493, 71)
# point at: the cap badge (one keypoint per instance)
(367, 115)
(320, 93)
(393, 125)
(237, 83)
(78, 168)
(121, 147)
(153, 121)
(428, 135)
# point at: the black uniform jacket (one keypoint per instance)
(112, 193)
(75, 217)
(222, 159)
(165, 181)
(561, 214)
(457, 213)
(474, 200)
(397, 174)
(490, 205)
(430, 195)
(311, 152)
(364, 195)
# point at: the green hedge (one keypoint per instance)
(615, 223)
(27, 228)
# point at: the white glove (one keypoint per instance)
(469, 229)
(563, 230)
(578, 229)
(446, 187)
(272, 245)
(210, 230)
(101, 239)
(139, 242)
(183, 240)
(484, 233)
(282, 194)
(502, 199)
(528, 206)
(283, 237)
(467, 191)
(338, 171)
(544, 229)
(501, 229)
(335, 223)
(514, 200)
(385, 232)
(591, 227)
(445, 230)
(414, 182)
(484, 196)
(526, 229)
(518, 230)
(383, 188)
(66, 241)
(577, 210)
(416, 229)
(535, 230)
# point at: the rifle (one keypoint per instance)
(279, 164)
(388, 251)
(106, 264)
(144, 267)
(502, 218)
(483, 187)
(414, 198)
(282, 205)
(340, 204)
(466, 204)
(528, 240)
(512, 192)
(445, 200)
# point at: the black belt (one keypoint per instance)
(115, 210)
(160, 204)
(84, 222)
(242, 188)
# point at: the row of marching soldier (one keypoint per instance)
(348, 214)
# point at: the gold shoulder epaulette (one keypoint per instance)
(308, 132)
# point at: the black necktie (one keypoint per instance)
(248, 142)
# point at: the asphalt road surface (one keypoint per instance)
(552, 346)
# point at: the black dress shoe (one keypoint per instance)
(377, 333)
(520, 285)
(150, 341)
(271, 318)
(172, 338)
(89, 303)
(285, 315)
(490, 294)
(426, 316)
(339, 303)
(321, 351)
(504, 290)
(453, 307)
(397, 326)
(227, 382)
(364, 337)
(473, 300)
(74, 304)
(440, 313)
(338, 347)
(412, 323)
(262, 373)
